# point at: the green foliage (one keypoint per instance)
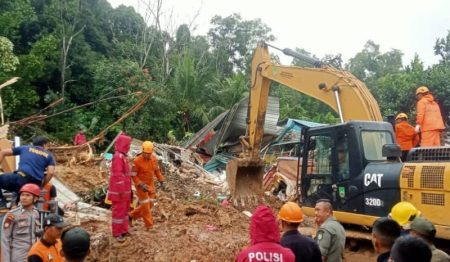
(370, 64)
(442, 48)
(117, 52)
(13, 15)
(297, 105)
(233, 41)
(8, 61)
(42, 58)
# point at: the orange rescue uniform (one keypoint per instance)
(48, 253)
(48, 192)
(430, 120)
(406, 136)
(145, 171)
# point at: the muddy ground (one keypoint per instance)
(187, 227)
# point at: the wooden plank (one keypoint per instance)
(9, 163)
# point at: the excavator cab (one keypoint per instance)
(334, 165)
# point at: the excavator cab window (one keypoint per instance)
(319, 166)
(343, 167)
(372, 144)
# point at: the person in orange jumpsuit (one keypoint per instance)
(429, 122)
(145, 169)
(405, 134)
(48, 194)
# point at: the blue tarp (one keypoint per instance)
(292, 131)
(218, 162)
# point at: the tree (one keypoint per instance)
(233, 41)
(370, 63)
(8, 61)
(189, 86)
(13, 15)
(442, 48)
(71, 27)
(224, 93)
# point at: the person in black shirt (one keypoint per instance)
(304, 248)
(384, 233)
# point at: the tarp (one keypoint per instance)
(292, 131)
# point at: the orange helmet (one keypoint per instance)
(422, 90)
(404, 212)
(291, 212)
(147, 147)
(31, 188)
(401, 115)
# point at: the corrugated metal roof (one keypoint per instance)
(205, 130)
(271, 120)
(234, 124)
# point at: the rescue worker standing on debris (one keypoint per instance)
(331, 235)
(429, 122)
(304, 248)
(79, 138)
(145, 169)
(20, 225)
(264, 238)
(35, 160)
(405, 134)
(119, 191)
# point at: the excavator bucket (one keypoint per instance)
(245, 178)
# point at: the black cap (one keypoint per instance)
(54, 220)
(75, 243)
(40, 141)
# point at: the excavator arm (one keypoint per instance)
(339, 89)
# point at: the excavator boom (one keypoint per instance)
(339, 89)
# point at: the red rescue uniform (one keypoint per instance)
(79, 139)
(119, 191)
(265, 239)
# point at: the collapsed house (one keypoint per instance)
(218, 142)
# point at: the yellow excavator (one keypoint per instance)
(354, 164)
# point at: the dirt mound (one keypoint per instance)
(82, 178)
(199, 231)
(190, 223)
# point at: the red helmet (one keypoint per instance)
(31, 188)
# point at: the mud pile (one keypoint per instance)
(190, 223)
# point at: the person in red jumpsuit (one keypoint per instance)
(119, 191)
(79, 138)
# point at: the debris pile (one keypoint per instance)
(192, 220)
